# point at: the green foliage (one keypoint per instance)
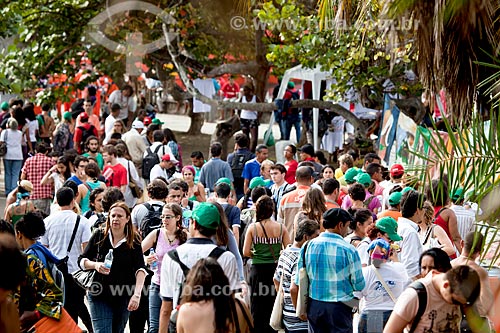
(359, 54)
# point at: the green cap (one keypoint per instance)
(395, 198)
(406, 189)
(350, 174)
(67, 115)
(224, 180)
(457, 194)
(157, 121)
(258, 181)
(4, 106)
(363, 178)
(205, 214)
(389, 226)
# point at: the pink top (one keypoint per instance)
(162, 247)
(375, 203)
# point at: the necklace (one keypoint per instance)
(169, 241)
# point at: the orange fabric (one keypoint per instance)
(49, 325)
(391, 213)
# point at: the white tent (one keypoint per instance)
(315, 76)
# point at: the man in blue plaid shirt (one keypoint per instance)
(334, 270)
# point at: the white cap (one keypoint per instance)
(137, 124)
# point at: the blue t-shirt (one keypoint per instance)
(76, 180)
(251, 169)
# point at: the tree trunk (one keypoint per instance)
(197, 120)
(224, 132)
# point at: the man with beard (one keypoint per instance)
(93, 148)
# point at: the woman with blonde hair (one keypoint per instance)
(313, 207)
(108, 310)
(432, 235)
(15, 211)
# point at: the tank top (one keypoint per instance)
(14, 218)
(162, 248)
(85, 202)
(246, 114)
(262, 253)
(438, 219)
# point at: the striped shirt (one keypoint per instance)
(333, 267)
(465, 219)
(287, 266)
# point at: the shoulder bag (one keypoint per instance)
(62, 265)
(303, 296)
(85, 277)
(50, 325)
(384, 284)
(137, 192)
(3, 144)
(276, 320)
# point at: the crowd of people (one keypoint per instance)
(207, 246)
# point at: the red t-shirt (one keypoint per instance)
(115, 175)
(291, 168)
(230, 91)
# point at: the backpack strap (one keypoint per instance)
(439, 213)
(73, 235)
(216, 253)
(174, 255)
(422, 303)
(156, 238)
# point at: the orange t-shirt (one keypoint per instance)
(391, 213)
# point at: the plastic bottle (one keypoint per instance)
(108, 261)
(154, 264)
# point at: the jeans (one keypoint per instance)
(293, 121)
(154, 308)
(108, 316)
(373, 321)
(12, 171)
(326, 317)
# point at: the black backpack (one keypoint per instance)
(149, 161)
(174, 255)
(237, 165)
(86, 133)
(287, 109)
(152, 220)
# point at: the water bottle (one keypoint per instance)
(108, 261)
(154, 264)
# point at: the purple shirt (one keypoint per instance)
(375, 203)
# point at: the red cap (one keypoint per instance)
(146, 121)
(167, 158)
(397, 170)
(84, 116)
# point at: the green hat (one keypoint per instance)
(350, 174)
(389, 226)
(67, 115)
(363, 178)
(224, 180)
(258, 181)
(457, 194)
(395, 198)
(205, 214)
(4, 106)
(157, 121)
(406, 189)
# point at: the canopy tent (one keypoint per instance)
(315, 75)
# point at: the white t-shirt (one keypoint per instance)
(162, 151)
(130, 200)
(59, 227)
(33, 127)
(13, 141)
(140, 211)
(375, 295)
(128, 104)
(439, 316)
(189, 253)
(108, 128)
(157, 171)
(411, 248)
(246, 114)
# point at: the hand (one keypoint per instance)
(303, 317)
(100, 268)
(28, 318)
(150, 259)
(134, 303)
(184, 202)
(244, 289)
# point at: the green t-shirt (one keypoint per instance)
(100, 160)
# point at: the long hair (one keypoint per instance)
(206, 281)
(314, 204)
(64, 161)
(221, 235)
(180, 234)
(130, 234)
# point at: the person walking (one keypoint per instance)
(334, 270)
(13, 159)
